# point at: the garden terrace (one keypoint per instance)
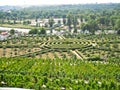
(52, 46)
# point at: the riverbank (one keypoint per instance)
(18, 26)
(16, 29)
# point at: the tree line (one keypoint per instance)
(96, 16)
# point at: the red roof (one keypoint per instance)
(4, 33)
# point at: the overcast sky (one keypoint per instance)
(53, 2)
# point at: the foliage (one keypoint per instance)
(51, 22)
(12, 31)
(42, 31)
(33, 31)
(58, 73)
(92, 26)
(69, 21)
(26, 22)
(117, 25)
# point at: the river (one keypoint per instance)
(16, 29)
(27, 30)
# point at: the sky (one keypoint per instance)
(53, 2)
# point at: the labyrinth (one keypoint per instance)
(66, 46)
(68, 62)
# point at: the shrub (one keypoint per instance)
(95, 58)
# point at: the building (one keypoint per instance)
(44, 22)
(4, 35)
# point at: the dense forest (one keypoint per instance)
(62, 10)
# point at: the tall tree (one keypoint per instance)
(64, 21)
(51, 22)
(117, 26)
(2, 16)
(92, 26)
(75, 22)
(69, 21)
(84, 27)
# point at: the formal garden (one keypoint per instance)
(61, 62)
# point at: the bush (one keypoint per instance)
(95, 58)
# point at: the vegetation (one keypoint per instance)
(37, 31)
(12, 31)
(76, 58)
(40, 45)
(58, 74)
(93, 16)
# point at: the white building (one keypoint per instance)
(43, 22)
(4, 35)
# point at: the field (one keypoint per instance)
(59, 74)
(68, 62)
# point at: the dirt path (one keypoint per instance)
(77, 54)
(61, 37)
(84, 57)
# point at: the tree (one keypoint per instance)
(64, 21)
(92, 26)
(51, 22)
(103, 21)
(69, 21)
(112, 21)
(91, 16)
(75, 22)
(12, 31)
(81, 18)
(14, 17)
(83, 27)
(26, 22)
(33, 31)
(117, 24)
(42, 31)
(2, 16)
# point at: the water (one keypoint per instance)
(4, 37)
(16, 29)
(27, 30)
